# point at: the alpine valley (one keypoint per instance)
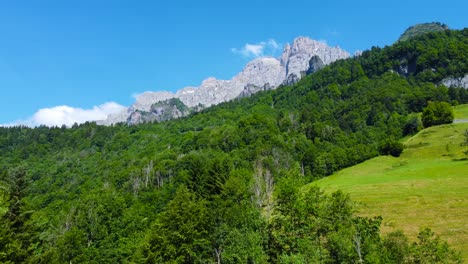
(313, 157)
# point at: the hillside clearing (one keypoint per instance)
(426, 186)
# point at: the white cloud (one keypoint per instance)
(273, 44)
(269, 47)
(67, 115)
(254, 49)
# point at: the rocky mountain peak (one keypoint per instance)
(259, 74)
(301, 44)
(300, 53)
(209, 81)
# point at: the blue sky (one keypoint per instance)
(82, 54)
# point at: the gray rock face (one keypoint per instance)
(289, 68)
(315, 64)
(132, 114)
(296, 57)
(357, 53)
(456, 82)
(118, 117)
(293, 78)
(160, 111)
(250, 89)
(406, 68)
(145, 100)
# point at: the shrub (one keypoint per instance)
(393, 148)
(413, 125)
(437, 113)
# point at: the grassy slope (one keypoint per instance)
(461, 111)
(426, 186)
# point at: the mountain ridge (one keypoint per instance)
(266, 72)
(422, 28)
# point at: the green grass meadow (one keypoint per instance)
(427, 186)
(461, 111)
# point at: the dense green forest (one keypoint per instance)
(225, 185)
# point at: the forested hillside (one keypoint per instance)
(222, 185)
(421, 29)
(425, 186)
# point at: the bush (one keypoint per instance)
(431, 249)
(437, 113)
(413, 125)
(393, 148)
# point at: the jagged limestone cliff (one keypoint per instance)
(302, 57)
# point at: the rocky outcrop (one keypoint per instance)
(160, 111)
(456, 82)
(295, 58)
(315, 64)
(259, 74)
(250, 89)
(172, 108)
(406, 68)
(357, 54)
(213, 91)
(293, 78)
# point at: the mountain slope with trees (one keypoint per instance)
(425, 186)
(222, 185)
(421, 29)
